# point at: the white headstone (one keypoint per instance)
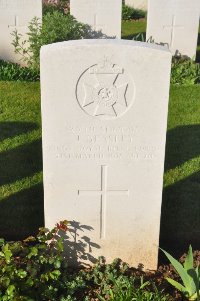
(104, 112)
(15, 15)
(174, 23)
(103, 16)
(139, 4)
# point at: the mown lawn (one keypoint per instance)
(130, 29)
(21, 196)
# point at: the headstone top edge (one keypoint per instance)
(102, 42)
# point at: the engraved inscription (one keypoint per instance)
(172, 29)
(105, 90)
(105, 143)
(104, 192)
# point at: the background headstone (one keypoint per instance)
(174, 23)
(104, 112)
(139, 4)
(15, 14)
(102, 15)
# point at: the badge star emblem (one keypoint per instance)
(104, 89)
(102, 98)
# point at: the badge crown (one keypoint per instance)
(106, 67)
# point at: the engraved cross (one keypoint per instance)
(16, 23)
(104, 192)
(173, 27)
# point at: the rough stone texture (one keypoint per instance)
(15, 15)
(101, 15)
(174, 23)
(139, 4)
(104, 115)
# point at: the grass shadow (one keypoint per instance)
(22, 213)
(183, 144)
(20, 162)
(180, 217)
(198, 50)
(13, 129)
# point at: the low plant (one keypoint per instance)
(115, 282)
(185, 72)
(102, 273)
(55, 27)
(14, 72)
(126, 289)
(189, 275)
(35, 268)
(130, 13)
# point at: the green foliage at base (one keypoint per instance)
(36, 269)
(14, 72)
(189, 275)
(185, 72)
(126, 289)
(114, 283)
(130, 13)
(39, 268)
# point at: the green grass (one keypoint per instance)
(131, 28)
(180, 223)
(21, 200)
(21, 194)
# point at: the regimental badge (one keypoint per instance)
(105, 90)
